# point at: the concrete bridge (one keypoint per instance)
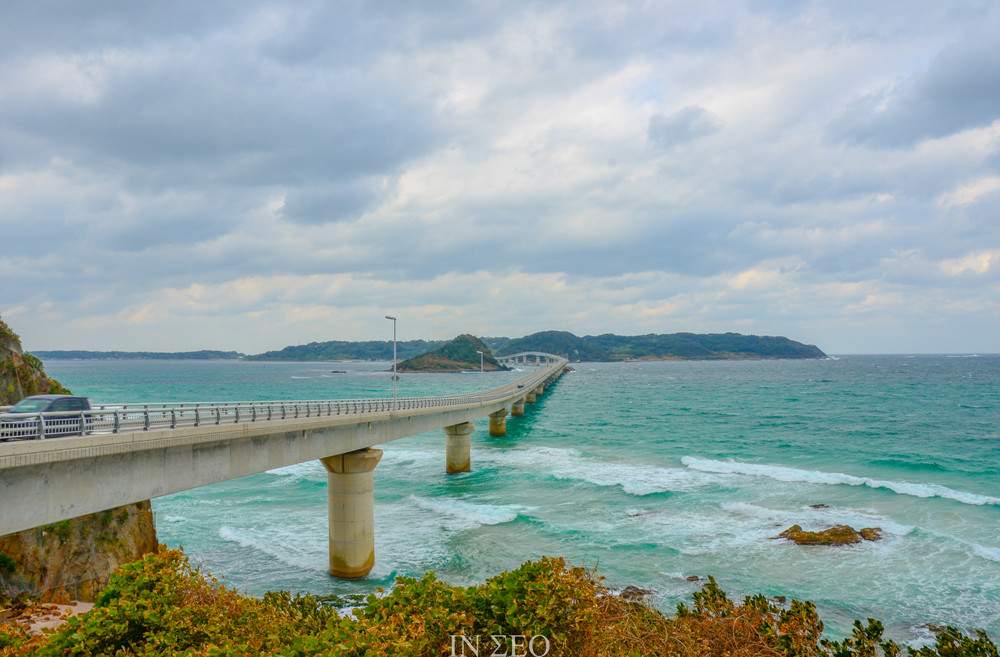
(528, 358)
(137, 452)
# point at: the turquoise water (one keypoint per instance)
(650, 472)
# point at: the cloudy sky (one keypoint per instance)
(249, 174)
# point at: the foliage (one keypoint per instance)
(161, 606)
(7, 564)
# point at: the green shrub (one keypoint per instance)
(161, 606)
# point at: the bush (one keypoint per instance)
(161, 606)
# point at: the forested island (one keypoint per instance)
(599, 348)
(463, 353)
(593, 348)
(76, 354)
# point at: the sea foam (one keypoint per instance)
(784, 473)
(293, 549)
(475, 514)
(638, 479)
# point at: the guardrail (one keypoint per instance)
(122, 418)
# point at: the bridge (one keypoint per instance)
(528, 358)
(128, 453)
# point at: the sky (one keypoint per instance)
(246, 175)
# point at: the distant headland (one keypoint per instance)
(594, 348)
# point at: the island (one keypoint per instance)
(462, 354)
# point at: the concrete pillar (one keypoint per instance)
(539, 390)
(498, 423)
(351, 498)
(530, 397)
(458, 446)
(517, 408)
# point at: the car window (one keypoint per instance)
(75, 404)
(31, 406)
(63, 405)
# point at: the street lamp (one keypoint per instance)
(394, 376)
(480, 371)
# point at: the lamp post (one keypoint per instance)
(480, 371)
(394, 376)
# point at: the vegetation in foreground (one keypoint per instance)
(161, 606)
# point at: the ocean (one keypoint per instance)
(650, 472)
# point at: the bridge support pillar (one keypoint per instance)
(530, 397)
(459, 447)
(498, 423)
(517, 408)
(539, 390)
(351, 499)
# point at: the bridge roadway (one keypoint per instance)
(137, 453)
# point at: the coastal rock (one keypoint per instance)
(836, 535)
(871, 533)
(819, 506)
(635, 592)
(72, 559)
(21, 374)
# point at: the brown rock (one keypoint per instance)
(73, 559)
(871, 533)
(836, 535)
(692, 578)
(635, 592)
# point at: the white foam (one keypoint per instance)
(476, 514)
(294, 551)
(637, 479)
(990, 554)
(786, 474)
(297, 470)
(754, 511)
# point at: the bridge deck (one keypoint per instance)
(134, 454)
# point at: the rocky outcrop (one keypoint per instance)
(72, 559)
(836, 535)
(21, 374)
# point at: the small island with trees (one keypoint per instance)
(462, 354)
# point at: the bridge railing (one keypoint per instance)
(125, 418)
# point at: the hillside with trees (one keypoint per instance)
(674, 346)
(459, 355)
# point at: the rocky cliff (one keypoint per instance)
(72, 559)
(21, 374)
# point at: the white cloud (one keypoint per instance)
(257, 175)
